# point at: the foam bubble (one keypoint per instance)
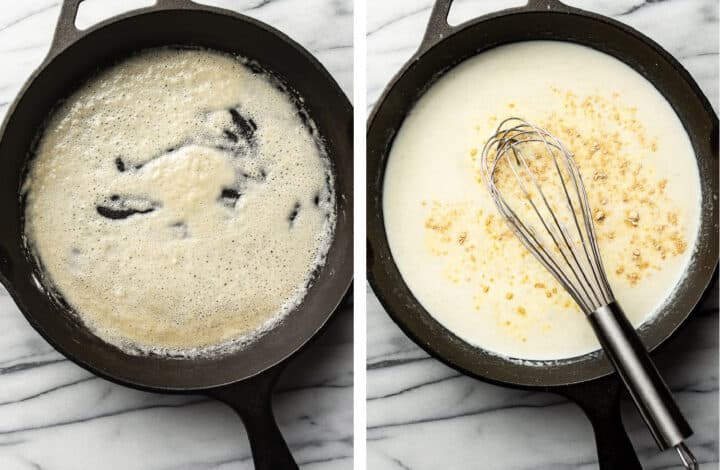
(179, 203)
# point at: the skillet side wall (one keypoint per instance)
(325, 103)
(423, 70)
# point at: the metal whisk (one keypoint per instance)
(539, 192)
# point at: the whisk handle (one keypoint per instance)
(647, 388)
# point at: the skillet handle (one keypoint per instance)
(66, 32)
(600, 401)
(252, 401)
(438, 27)
(556, 5)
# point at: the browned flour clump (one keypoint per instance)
(457, 255)
(636, 223)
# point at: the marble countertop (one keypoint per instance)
(422, 414)
(56, 416)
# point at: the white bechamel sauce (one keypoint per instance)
(200, 273)
(430, 166)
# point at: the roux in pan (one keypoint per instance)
(179, 202)
(455, 252)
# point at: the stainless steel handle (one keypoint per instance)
(647, 388)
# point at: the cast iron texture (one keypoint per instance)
(245, 378)
(442, 48)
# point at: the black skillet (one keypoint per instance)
(585, 379)
(245, 379)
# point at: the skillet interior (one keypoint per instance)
(471, 38)
(105, 43)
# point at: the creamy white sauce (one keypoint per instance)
(466, 269)
(179, 204)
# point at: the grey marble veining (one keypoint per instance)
(56, 416)
(423, 415)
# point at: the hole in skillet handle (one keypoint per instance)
(438, 27)
(66, 32)
(91, 12)
(251, 399)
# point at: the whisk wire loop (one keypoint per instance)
(558, 233)
(570, 253)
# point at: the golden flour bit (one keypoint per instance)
(457, 255)
(637, 225)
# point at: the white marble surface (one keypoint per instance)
(424, 415)
(56, 416)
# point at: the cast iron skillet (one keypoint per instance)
(244, 380)
(444, 47)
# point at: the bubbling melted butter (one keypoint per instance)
(179, 204)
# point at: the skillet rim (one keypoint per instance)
(339, 280)
(589, 366)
